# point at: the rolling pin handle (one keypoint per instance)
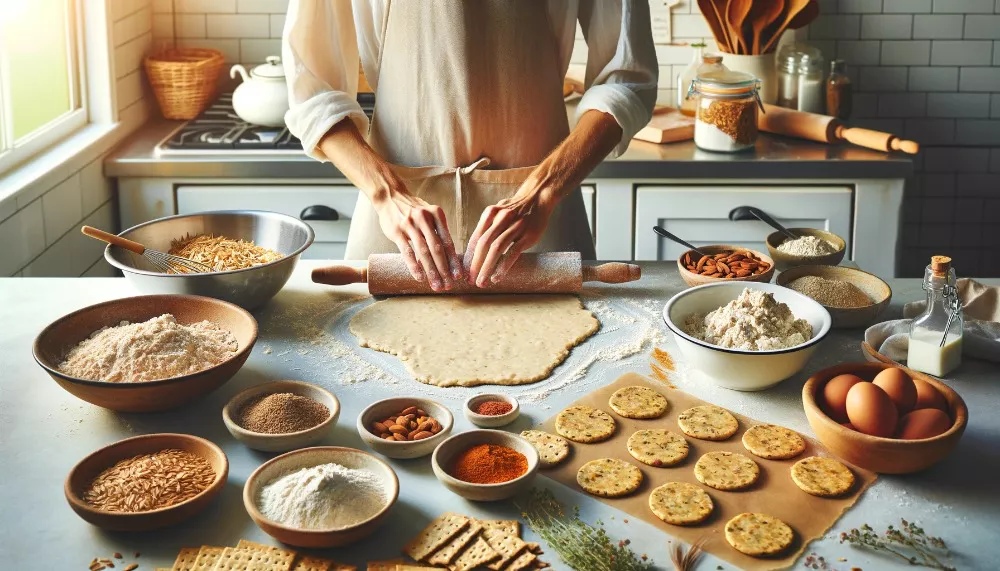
(340, 275)
(612, 273)
(909, 147)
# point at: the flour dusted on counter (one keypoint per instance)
(328, 496)
(806, 246)
(754, 321)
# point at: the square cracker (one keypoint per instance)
(236, 559)
(474, 555)
(246, 544)
(526, 560)
(185, 559)
(307, 563)
(414, 567)
(508, 546)
(438, 533)
(450, 550)
(208, 556)
(509, 526)
(388, 565)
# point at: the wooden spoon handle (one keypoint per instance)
(340, 275)
(612, 273)
(113, 240)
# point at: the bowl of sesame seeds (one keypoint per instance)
(146, 482)
(279, 416)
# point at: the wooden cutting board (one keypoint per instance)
(668, 125)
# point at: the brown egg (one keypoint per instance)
(897, 384)
(928, 396)
(923, 423)
(871, 411)
(835, 395)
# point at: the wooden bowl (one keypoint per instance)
(403, 450)
(90, 467)
(785, 261)
(59, 337)
(445, 453)
(846, 317)
(884, 455)
(692, 279)
(308, 457)
(288, 441)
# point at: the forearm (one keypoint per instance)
(344, 146)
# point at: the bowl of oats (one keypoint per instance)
(252, 254)
(746, 336)
(812, 247)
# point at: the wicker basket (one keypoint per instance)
(184, 80)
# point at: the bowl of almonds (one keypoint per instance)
(724, 263)
(404, 427)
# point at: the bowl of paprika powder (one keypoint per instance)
(485, 465)
(491, 410)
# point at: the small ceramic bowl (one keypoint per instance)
(281, 442)
(846, 317)
(485, 420)
(884, 455)
(446, 452)
(785, 261)
(86, 470)
(379, 410)
(693, 279)
(307, 458)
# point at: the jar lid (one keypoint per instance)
(725, 82)
(711, 58)
(800, 58)
(270, 70)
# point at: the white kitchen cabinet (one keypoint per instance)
(589, 192)
(700, 215)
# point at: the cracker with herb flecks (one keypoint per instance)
(609, 477)
(726, 470)
(708, 422)
(680, 503)
(657, 447)
(773, 442)
(758, 535)
(638, 402)
(438, 533)
(585, 424)
(525, 560)
(507, 545)
(821, 476)
(552, 449)
(509, 526)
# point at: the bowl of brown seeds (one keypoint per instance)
(281, 415)
(146, 482)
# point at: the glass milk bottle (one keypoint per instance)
(936, 334)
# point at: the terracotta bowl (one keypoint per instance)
(59, 337)
(403, 450)
(846, 317)
(785, 261)
(692, 279)
(445, 454)
(308, 457)
(281, 442)
(884, 455)
(90, 467)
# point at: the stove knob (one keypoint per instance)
(319, 212)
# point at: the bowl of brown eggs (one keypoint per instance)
(883, 418)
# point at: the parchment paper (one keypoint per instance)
(774, 493)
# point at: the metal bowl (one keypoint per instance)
(249, 288)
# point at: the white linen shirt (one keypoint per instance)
(323, 41)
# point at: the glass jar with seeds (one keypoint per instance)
(727, 110)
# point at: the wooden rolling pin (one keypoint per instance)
(826, 129)
(554, 272)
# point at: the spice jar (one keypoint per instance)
(727, 110)
(839, 94)
(800, 78)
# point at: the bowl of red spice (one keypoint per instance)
(491, 410)
(281, 415)
(485, 465)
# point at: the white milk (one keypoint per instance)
(925, 353)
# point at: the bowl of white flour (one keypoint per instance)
(746, 336)
(812, 247)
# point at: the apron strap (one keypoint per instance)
(460, 197)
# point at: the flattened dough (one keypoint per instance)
(474, 340)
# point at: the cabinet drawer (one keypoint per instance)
(700, 215)
(331, 235)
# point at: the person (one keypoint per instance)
(469, 148)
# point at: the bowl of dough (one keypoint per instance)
(746, 336)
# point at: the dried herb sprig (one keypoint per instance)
(685, 560)
(579, 544)
(895, 541)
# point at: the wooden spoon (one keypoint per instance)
(711, 13)
(792, 9)
(805, 17)
(762, 15)
(736, 15)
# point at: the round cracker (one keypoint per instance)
(726, 470)
(609, 477)
(582, 423)
(552, 449)
(657, 447)
(773, 442)
(638, 402)
(821, 476)
(680, 503)
(708, 422)
(758, 534)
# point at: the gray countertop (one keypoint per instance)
(773, 158)
(44, 431)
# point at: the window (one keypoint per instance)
(40, 77)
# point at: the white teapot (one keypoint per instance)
(262, 98)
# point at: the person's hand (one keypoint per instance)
(506, 230)
(420, 231)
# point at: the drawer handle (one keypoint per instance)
(751, 212)
(319, 212)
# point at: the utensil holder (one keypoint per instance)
(760, 66)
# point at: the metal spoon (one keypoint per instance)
(659, 230)
(746, 212)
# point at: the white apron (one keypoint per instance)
(473, 87)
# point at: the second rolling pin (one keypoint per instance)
(826, 129)
(553, 272)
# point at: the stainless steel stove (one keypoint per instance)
(219, 131)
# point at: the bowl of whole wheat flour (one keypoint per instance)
(746, 336)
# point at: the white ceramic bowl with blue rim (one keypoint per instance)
(734, 368)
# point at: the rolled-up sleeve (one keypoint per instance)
(320, 56)
(621, 63)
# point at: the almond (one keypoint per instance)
(408, 410)
(379, 428)
(421, 435)
(397, 429)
